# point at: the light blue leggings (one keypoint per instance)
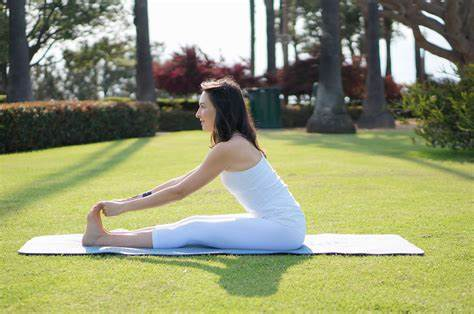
(232, 231)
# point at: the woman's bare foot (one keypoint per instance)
(94, 229)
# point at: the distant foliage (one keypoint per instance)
(353, 79)
(392, 90)
(298, 77)
(185, 71)
(353, 82)
(445, 110)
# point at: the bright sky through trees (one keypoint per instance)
(222, 28)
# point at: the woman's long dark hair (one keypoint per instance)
(231, 113)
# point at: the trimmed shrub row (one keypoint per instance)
(36, 125)
(164, 103)
(292, 116)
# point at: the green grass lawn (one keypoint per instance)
(371, 182)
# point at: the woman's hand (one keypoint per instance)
(111, 208)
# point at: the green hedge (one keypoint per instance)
(36, 125)
(178, 119)
(295, 116)
(187, 104)
(298, 115)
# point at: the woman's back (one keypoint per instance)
(258, 188)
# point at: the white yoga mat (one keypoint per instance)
(325, 243)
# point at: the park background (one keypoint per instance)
(91, 111)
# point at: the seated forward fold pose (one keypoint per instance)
(273, 218)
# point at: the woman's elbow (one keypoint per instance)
(178, 192)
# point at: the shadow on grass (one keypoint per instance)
(395, 144)
(68, 177)
(241, 275)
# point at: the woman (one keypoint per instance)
(274, 220)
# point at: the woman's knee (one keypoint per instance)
(296, 241)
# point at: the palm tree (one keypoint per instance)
(284, 36)
(375, 113)
(19, 81)
(388, 30)
(144, 75)
(271, 64)
(330, 114)
(252, 37)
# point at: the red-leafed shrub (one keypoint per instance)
(186, 70)
(239, 71)
(183, 74)
(353, 79)
(298, 77)
(392, 90)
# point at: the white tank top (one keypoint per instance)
(262, 192)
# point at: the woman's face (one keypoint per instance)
(206, 112)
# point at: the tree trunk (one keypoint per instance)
(3, 78)
(271, 64)
(388, 41)
(252, 37)
(284, 31)
(292, 18)
(144, 75)
(419, 64)
(375, 113)
(330, 114)
(351, 49)
(19, 81)
(295, 44)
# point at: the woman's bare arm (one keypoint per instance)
(164, 185)
(215, 162)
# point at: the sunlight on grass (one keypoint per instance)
(369, 182)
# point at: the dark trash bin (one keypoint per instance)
(265, 106)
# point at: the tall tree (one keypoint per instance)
(351, 31)
(419, 63)
(19, 82)
(351, 26)
(53, 22)
(387, 34)
(330, 114)
(271, 59)
(452, 19)
(252, 37)
(4, 46)
(292, 18)
(375, 113)
(284, 36)
(144, 75)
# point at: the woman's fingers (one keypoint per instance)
(112, 208)
(97, 206)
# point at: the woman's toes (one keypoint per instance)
(94, 229)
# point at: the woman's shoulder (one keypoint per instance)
(242, 154)
(238, 142)
(236, 145)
